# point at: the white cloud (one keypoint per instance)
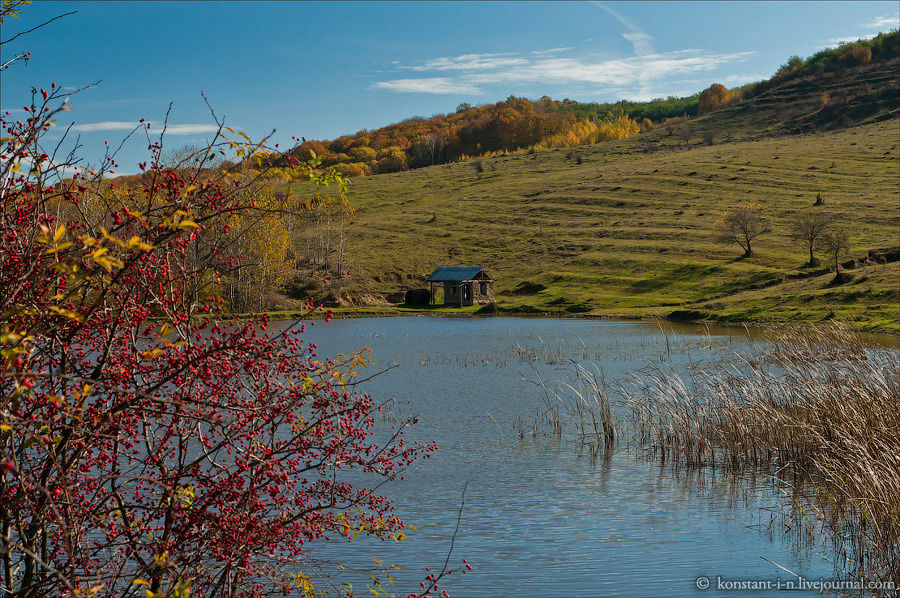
(835, 41)
(184, 129)
(881, 23)
(642, 75)
(625, 73)
(108, 125)
(468, 62)
(551, 51)
(438, 85)
(117, 125)
(26, 165)
(642, 42)
(620, 72)
(892, 21)
(741, 79)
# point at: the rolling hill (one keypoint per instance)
(628, 227)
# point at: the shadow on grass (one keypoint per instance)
(684, 273)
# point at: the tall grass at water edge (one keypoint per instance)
(817, 409)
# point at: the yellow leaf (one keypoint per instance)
(109, 237)
(6, 427)
(141, 582)
(65, 313)
(59, 247)
(136, 243)
(60, 232)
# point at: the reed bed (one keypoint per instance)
(580, 409)
(817, 407)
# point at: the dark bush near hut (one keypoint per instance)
(418, 297)
(487, 309)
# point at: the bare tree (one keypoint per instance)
(807, 227)
(742, 224)
(836, 243)
(435, 145)
(428, 150)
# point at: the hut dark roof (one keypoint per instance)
(454, 273)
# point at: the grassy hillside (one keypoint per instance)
(628, 227)
(819, 101)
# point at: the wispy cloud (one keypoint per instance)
(878, 24)
(552, 51)
(741, 79)
(642, 42)
(624, 71)
(468, 62)
(437, 85)
(835, 41)
(892, 21)
(643, 75)
(637, 71)
(117, 125)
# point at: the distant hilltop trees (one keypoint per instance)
(514, 124)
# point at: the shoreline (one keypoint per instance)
(347, 313)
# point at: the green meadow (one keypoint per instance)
(628, 228)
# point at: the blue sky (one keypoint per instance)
(323, 69)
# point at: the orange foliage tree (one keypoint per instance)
(514, 124)
(713, 97)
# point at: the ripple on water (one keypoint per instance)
(539, 520)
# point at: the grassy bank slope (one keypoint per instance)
(631, 229)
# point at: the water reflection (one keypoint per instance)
(539, 519)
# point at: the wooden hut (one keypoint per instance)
(463, 285)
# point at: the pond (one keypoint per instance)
(540, 517)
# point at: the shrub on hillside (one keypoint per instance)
(860, 54)
(713, 97)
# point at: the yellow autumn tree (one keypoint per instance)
(618, 126)
(587, 132)
(262, 239)
(713, 97)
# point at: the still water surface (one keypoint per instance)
(539, 519)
